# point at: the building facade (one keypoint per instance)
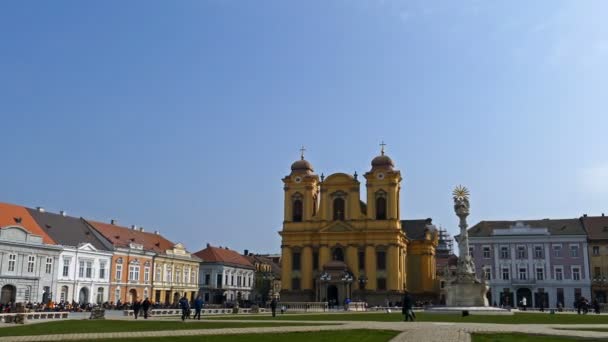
(132, 260)
(335, 246)
(267, 278)
(597, 234)
(544, 261)
(28, 258)
(83, 272)
(225, 276)
(175, 275)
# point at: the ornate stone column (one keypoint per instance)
(392, 268)
(307, 268)
(370, 267)
(323, 256)
(286, 268)
(352, 260)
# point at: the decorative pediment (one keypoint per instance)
(337, 227)
(85, 246)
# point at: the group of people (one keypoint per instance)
(583, 305)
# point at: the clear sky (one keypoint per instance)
(183, 116)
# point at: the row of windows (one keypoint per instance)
(31, 264)
(339, 207)
(522, 252)
(380, 284)
(85, 269)
(338, 254)
(188, 275)
(540, 273)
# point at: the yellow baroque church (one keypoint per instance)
(335, 246)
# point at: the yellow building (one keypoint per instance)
(597, 236)
(335, 246)
(175, 275)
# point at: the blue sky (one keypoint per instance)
(184, 116)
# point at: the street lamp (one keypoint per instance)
(347, 279)
(601, 281)
(325, 278)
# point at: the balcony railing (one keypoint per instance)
(523, 281)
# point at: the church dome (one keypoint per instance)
(382, 161)
(301, 166)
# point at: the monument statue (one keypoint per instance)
(465, 289)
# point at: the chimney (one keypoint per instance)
(156, 232)
(208, 245)
(40, 209)
(602, 214)
(584, 215)
(141, 229)
(246, 252)
(62, 213)
(133, 227)
(113, 222)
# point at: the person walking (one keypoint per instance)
(145, 306)
(136, 307)
(407, 308)
(198, 306)
(596, 306)
(185, 306)
(273, 307)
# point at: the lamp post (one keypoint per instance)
(325, 278)
(347, 279)
(601, 281)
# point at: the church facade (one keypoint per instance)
(335, 246)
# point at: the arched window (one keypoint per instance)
(314, 205)
(381, 208)
(339, 208)
(297, 210)
(338, 254)
(381, 205)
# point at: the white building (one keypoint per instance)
(83, 272)
(84, 275)
(225, 276)
(27, 266)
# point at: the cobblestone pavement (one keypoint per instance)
(411, 331)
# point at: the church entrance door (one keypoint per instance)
(332, 295)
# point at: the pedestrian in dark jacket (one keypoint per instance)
(408, 313)
(273, 307)
(136, 308)
(198, 306)
(185, 306)
(145, 306)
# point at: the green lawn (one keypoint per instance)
(88, 326)
(317, 336)
(526, 338)
(517, 318)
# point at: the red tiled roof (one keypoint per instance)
(14, 215)
(123, 236)
(222, 255)
(596, 227)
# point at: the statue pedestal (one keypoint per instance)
(466, 293)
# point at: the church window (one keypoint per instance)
(315, 260)
(297, 210)
(295, 261)
(295, 283)
(314, 205)
(381, 283)
(338, 254)
(339, 209)
(381, 260)
(361, 260)
(380, 205)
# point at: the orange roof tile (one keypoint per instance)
(123, 236)
(15, 215)
(222, 255)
